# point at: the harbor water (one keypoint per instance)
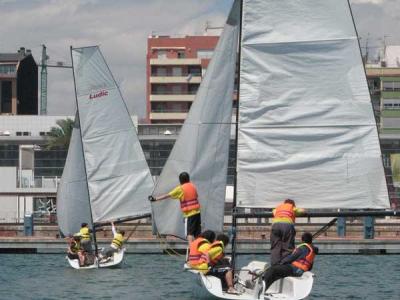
(35, 276)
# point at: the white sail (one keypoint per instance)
(72, 194)
(118, 176)
(306, 127)
(203, 144)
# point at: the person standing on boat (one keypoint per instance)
(220, 265)
(198, 259)
(283, 232)
(86, 242)
(301, 260)
(186, 193)
(116, 243)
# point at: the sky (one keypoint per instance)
(121, 28)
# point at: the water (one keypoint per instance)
(161, 277)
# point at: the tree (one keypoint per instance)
(61, 135)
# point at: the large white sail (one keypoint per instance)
(72, 194)
(117, 173)
(203, 144)
(306, 127)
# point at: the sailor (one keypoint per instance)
(283, 232)
(186, 192)
(86, 242)
(301, 260)
(74, 249)
(116, 243)
(220, 265)
(198, 259)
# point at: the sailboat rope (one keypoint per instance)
(168, 250)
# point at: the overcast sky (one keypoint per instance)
(121, 28)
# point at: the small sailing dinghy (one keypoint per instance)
(305, 128)
(106, 177)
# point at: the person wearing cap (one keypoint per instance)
(283, 232)
(186, 193)
(299, 261)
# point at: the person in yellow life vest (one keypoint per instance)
(283, 232)
(220, 265)
(116, 243)
(186, 193)
(86, 242)
(301, 260)
(198, 249)
(74, 249)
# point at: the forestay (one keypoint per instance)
(203, 143)
(118, 176)
(306, 127)
(72, 194)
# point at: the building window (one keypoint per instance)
(391, 86)
(176, 71)
(7, 69)
(162, 54)
(18, 133)
(205, 54)
(181, 54)
(26, 133)
(194, 70)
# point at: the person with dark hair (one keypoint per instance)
(74, 249)
(220, 265)
(186, 193)
(116, 244)
(86, 242)
(283, 232)
(198, 259)
(301, 260)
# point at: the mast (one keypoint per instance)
(234, 219)
(83, 153)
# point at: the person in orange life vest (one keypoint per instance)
(186, 193)
(283, 232)
(220, 266)
(301, 260)
(198, 258)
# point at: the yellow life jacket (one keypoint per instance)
(216, 252)
(75, 246)
(84, 233)
(118, 240)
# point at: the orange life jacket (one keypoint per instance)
(195, 256)
(189, 201)
(305, 263)
(215, 259)
(285, 210)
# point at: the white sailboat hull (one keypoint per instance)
(115, 261)
(289, 288)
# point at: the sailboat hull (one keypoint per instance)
(115, 261)
(289, 288)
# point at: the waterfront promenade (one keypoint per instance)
(253, 238)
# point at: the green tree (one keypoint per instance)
(61, 135)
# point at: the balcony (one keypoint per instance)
(175, 61)
(168, 115)
(172, 98)
(175, 79)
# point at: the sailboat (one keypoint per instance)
(106, 177)
(305, 127)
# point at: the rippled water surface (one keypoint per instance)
(161, 277)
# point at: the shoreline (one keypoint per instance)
(40, 245)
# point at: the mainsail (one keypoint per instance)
(117, 175)
(203, 142)
(306, 128)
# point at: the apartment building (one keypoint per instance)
(175, 66)
(18, 83)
